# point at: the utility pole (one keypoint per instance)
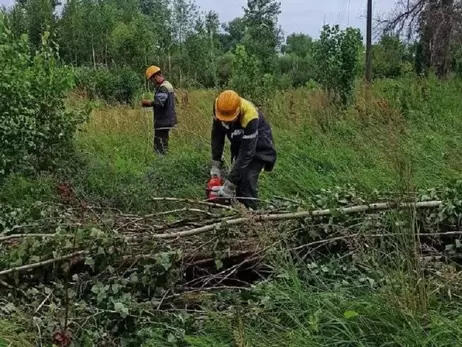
(369, 42)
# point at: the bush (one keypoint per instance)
(338, 60)
(94, 83)
(113, 86)
(248, 79)
(35, 127)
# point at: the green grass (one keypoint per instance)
(296, 314)
(11, 335)
(318, 146)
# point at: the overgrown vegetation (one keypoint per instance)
(249, 53)
(329, 276)
(113, 86)
(337, 72)
(36, 129)
(92, 255)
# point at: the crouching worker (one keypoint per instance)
(252, 147)
(164, 108)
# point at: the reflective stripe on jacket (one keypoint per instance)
(251, 139)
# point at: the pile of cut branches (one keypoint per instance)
(94, 265)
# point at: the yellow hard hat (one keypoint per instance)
(227, 106)
(151, 71)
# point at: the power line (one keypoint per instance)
(349, 8)
(345, 6)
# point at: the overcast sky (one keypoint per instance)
(305, 16)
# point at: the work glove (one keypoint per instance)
(228, 190)
(215, 170)
(146, 103)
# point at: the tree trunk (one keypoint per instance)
(443, 20)
(427, 35)
(94, 56)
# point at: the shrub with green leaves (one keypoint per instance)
(112, 86)
(36, 129)
(337, 58)
(248, 78)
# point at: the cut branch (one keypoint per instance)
(22, 236)
(297, 215)
(192, 210)
(194, 202)
(42, 263)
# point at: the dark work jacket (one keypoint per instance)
(164, 106)
(251, 139)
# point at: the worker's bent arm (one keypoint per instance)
(246, 151)
(161, 96)
(218, 140)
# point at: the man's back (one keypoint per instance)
(164, 107)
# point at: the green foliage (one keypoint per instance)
(262, 36)
(248, 78)
(11, 334)
(192, 50)
(34, 18)
(36, 129)
(113, 86)
(201, 49)
(298, 63)
(300, 45)
(299, 70)
(225, 69)
(132, 42)
(323, 299)
(390, 59)
(337, 57)
(233, 35)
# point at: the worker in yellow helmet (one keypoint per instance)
(163, 108)
(252, 147)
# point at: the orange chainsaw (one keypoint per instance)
(211, 196)
(213, 182)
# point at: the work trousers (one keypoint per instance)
(161, 140)
(247, 189)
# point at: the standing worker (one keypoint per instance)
(163, 107)
(252, 147)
